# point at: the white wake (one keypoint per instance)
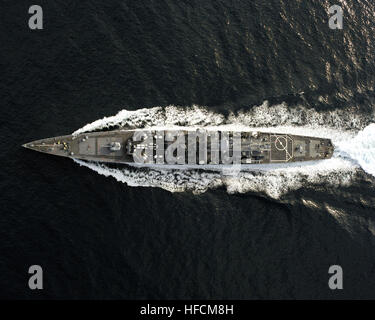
(351, 133)
(361, 149)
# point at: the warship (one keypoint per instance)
(186, 147)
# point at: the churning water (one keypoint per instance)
(353, 149)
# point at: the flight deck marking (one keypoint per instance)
(281, 144)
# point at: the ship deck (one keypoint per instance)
(186, 147)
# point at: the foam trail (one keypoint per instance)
(171, 180)
(274, 183)
(157, 116)
(257, 116)
(361, 149)
(340, 125)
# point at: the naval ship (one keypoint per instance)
(186, 147)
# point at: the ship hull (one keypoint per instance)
(179, 148)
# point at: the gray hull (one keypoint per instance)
(195, 147)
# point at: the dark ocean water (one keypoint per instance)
(97, 238)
